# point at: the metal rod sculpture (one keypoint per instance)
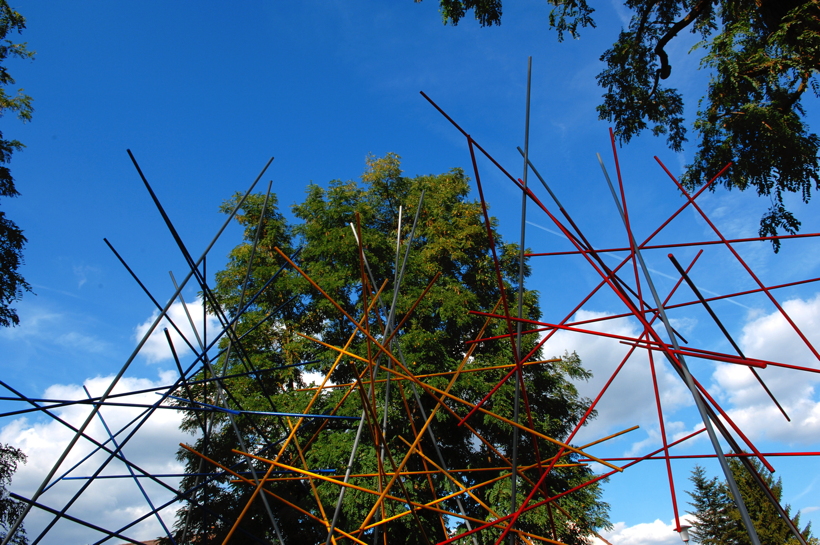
(383, 372)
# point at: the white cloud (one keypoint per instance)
(109, 503)
(647, 533)
(156, 349)
(770, 337)
(630, 399)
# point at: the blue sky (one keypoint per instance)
(204, 93)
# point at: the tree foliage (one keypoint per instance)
(763, 57)
(10, 509)
(449, 239)
(12, 241)
(717, 520)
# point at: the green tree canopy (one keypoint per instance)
(449, 239)
(717, 520)
(763, 57)
(10, 509)
(12, 241)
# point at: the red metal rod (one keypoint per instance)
(742, 262)
(696, 456)
(548, 500)
(678, 245)
(702, 354)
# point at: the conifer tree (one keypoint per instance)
(717, 520)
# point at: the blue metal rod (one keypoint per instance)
(170, 475)
(266, 413)
(133, 475)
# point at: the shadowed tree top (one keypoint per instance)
(763, 57)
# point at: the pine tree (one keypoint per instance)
(711, 509)
(717, 520)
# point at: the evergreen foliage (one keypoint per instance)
(717, 520)
(450, 239)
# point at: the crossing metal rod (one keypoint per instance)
(220, 389)
(388, 327)
(743, 459)
(349, 469)
(81, 430)
(221, 392)
(400, 354)
(711, 312)
(422, 411)
(687, 377)
(133, 474)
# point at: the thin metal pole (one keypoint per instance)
(387, 327)
(220, 393)
(711, 312)
(519, 378)
(349, 469)
(399, 276)
(133, 475)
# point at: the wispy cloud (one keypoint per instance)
(85, 273)
(45, 328)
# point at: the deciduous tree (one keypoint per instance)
(763, 58)
(450, 239)
(12, 241)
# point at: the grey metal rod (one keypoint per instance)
(730, 481)
(133, 474)
(388, 326)
(398, 276)
(519, 375)
(220, 394)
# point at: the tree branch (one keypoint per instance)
(665, 68)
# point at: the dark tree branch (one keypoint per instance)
(690, 18)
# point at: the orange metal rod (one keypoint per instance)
(430, 375)
(241, 478)
(508, 421)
